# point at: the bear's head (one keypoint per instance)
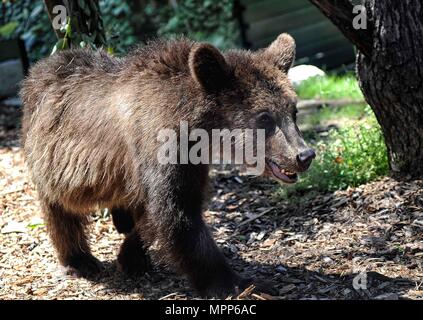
(252, 90)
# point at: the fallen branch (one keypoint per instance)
(311, 104)
(5, 193)
(247, 292)
(255, 217)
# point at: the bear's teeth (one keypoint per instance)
(287, 172)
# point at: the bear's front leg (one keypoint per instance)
(196, 255)
(175, 212)
(190, 248)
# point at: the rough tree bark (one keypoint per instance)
(390, 72)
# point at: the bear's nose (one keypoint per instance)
(304, 158)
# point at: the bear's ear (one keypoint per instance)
(208, 67)
(282, 52)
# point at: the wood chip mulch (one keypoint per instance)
(362, 243)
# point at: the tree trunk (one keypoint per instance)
(50, 4)
(86, 21)
(390, 72)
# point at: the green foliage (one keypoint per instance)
(7, 30)
(206, 20)
(64, 42)
(32, 25)
(330, 87)
(119, 31)
(347, 157)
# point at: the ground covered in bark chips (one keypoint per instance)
(362, 243)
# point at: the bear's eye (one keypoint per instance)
(266, 121)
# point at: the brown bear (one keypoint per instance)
(89, 134)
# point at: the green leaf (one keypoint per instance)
(8, 29)
(36, 225)
(58, 46)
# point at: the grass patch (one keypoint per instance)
(330, 87)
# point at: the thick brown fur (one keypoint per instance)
(90, 130)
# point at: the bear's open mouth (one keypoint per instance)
(280, 173)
